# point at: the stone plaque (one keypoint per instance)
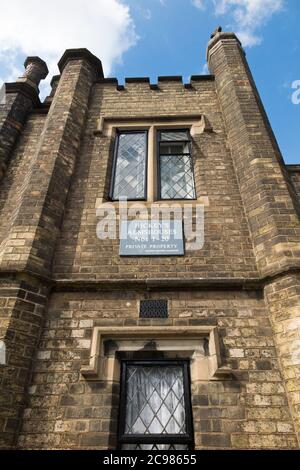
(151, 238)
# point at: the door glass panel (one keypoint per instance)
(155, 400)
(154, 447)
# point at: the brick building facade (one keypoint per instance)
(70, 316)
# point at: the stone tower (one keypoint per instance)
(77, 316)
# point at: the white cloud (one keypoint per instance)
(246, 16)
(248, 38)
(249, 13)
(205, 69)
(32, 27)
(147, 14)
(199, 4)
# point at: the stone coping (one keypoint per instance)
(293, 168)
(81, 54)
(221, 36)
(161, 79)
(37, 60)
(26, 90)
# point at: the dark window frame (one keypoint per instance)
(115, 160)
(190, 154)
(180, 439)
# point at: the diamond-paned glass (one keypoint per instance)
(130, 166)
(155, 447)
(177, 178)
(176, 168)
(155, 400)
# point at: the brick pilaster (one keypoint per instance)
(20, 98)
(42, 204)
(38, 218)
(283, 299)
(22, 301)
(269, 201)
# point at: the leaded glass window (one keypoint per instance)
(129, 178)
(176, 175)
(155, 411)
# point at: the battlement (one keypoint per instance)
(162, 82)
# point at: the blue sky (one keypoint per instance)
(164, 37)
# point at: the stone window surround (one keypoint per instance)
(196, 124)
(180, 342)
